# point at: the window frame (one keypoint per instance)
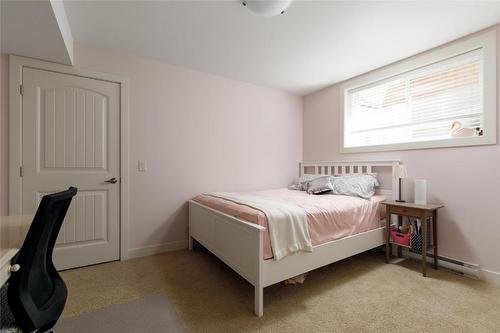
(486, 41)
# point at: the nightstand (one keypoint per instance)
(426, 214)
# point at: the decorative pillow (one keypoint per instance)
(319, 185)
(362, 186)
(300, 183)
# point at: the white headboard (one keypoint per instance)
(338, 168)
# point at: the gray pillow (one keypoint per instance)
(362, 186)
(319, 185)
(300, 183)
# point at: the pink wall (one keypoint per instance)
(466, 180)
(198, 132)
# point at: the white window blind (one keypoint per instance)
(417, 105)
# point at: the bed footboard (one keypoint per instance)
(237, 243)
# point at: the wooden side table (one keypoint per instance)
(423, 213)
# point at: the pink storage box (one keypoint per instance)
(400, 238)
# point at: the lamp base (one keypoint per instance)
(400, 192)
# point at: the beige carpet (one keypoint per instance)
(359, 294)
(151, 313)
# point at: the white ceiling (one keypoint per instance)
(315, 44)
(37, 29)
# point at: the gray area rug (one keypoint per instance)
(152, 313)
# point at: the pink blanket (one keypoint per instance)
(329, 217)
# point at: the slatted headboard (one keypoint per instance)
(338, 168)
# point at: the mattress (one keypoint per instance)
(329, 217)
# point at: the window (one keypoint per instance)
(444, 98)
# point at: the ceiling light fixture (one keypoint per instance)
(267, 7)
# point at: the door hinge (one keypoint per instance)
(21, 89)
(21, 171)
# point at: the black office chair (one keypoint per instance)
(36, 293)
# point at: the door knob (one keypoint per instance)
(14, 268)
(111, 180)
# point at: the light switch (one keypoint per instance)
(141, 165)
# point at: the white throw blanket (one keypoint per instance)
(288, 229)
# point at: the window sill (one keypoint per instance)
(447, 143)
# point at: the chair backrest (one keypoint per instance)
(36, 293)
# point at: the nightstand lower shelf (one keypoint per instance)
(430, 247)
(397, 244)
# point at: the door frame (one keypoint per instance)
(16, 66)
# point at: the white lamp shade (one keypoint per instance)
(267, 7)
(400, 171)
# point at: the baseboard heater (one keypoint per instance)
(457, 266)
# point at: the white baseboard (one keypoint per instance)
(490, 276)
(157, 249)
(483, 274)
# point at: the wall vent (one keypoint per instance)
(457, 266)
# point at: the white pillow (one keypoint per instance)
(362, 186)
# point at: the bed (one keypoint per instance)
(239, 236)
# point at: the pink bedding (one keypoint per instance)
(329, 216)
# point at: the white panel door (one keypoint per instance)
(71, 137)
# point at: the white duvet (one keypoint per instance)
(288, 228)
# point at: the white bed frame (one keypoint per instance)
(240, 244)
